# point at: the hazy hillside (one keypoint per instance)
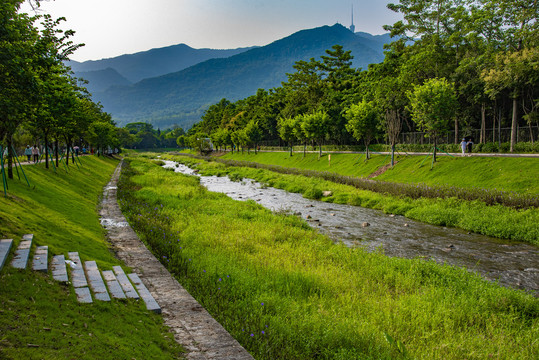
(100, 80)
(155, 62)
(181, 97)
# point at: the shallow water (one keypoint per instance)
(512, 264)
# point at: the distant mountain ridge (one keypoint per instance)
(154, 62)
(99, 80)
(182, 97)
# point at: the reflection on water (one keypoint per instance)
(512, 264)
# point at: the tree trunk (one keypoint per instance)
(514, 125)
(392, 155)
(9, 156)
(304, 149)
(456, 131)
(56, 152)
(483, 135)
(46, 151)
(494, 126)
(434, 149)
(67, 150)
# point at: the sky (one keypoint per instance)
(110, 28)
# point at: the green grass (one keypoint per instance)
(286, 292)
(496, 221)
(61, 210)
(509, 174)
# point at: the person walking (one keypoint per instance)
(35, 153)
(463, 146)
(469, 145)
(28, 152)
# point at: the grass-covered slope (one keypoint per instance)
(499, 221)
(40, 318)
(509, 174)
(287, 292)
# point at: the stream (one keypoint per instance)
(513, 264)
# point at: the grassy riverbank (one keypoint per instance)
(286, 292)
(40, 318)
(510, 174)
(496, 221)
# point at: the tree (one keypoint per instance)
(433, 106)
(363, 119)
(17, 81)
(298, 131)
(252, 134)
(315, 127)
(103, 134)
(221, 137)
(517, 71)
(286, 131)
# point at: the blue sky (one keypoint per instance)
(113, 27)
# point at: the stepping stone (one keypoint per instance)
(96, 281)
(5, 246)
(151, 304)
(114, 286)
(126, 285)
(23, 252)
(59, 271)
(83, 295)
(78, 278)
(41, 258)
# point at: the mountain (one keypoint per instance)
(375, 41)
(182, 97)
(100, 80)
(152, 63)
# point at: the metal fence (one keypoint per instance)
(499, 135)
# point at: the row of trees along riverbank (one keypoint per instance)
(40, 101)
(453, 66)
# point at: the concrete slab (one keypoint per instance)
(78, 278)
(126, 285)
(115, 289)
(5, 247)
(96, 281)
(22, 253)
(151, 304)
(41, 259)
(83, 295)
(28, 237)
(58, 267)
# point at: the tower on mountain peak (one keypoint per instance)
(353, 27)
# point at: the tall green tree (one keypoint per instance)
(315, 127)
(363, 120)
(18, 37)
(432, 106)
(286, 132)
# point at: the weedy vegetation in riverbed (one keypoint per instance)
(473, 215)
(287, 292)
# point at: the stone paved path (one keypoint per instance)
(193, 327)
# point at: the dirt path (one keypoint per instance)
(193, 327)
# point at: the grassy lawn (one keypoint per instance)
(40, 318)
(509, 174)
(287, 292)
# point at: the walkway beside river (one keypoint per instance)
(193, 327)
